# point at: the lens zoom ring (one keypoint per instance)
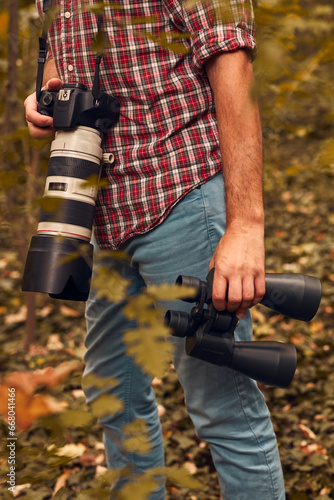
(67, 166)
(70, 212)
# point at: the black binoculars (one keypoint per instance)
(210, 333)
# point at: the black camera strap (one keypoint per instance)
(96, 91)
(42, 52)
(42, 49)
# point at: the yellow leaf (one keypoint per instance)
(150, 350)
(136, 439)
(137, 307)
(106, 404)
(94, 181)
(326, 155)
(171, 292)
(114, 254)
(92, 380)
(180, 477)
(110, 285)
(143, 20)
(139, 488)
(50, 204)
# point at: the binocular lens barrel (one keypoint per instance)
(190, 281)
(297, 296)
(179, 322)
(272, 363)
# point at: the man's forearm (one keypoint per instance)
(50, 71)
(231, 79)
(239, 280)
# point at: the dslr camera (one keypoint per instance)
(60, 256)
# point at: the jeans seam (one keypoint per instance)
(274, 487)
(207, 223)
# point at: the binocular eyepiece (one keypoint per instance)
(210, 333)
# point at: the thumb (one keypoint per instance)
(54, 84)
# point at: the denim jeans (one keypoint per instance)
(226, 407)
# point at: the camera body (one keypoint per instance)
(59, 260)
(74, 105)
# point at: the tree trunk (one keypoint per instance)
(10, 124)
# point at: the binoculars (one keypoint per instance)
(210, 333)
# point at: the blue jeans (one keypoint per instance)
(226, 407)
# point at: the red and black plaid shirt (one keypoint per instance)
(166, 141)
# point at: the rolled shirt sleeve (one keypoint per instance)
(215, 26)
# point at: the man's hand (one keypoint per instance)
(40, 125)
(239, 279)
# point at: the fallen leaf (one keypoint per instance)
(28, 408)
(307, 431)
(61, 481)
(313, 448)
(161, 410)
(29, 381)
(317, 327)
(100, 470)
(71, 450)
(88, 460)
(19, 317)
(19, 488)
(190, 467)
(70, 313)
(45, 311)
(54, 343)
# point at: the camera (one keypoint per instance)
(59, 261)
(210, 333)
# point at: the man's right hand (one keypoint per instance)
(40, 126)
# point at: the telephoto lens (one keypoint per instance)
(60, 256)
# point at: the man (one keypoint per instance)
(185, 116)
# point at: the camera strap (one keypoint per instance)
(42, 52)
(42, 49)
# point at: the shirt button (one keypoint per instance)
(70, 67)
(67, 15)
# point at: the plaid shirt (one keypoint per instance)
(166, 141)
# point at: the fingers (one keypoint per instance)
(39, 125)
(237, 294)
(240, 295)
